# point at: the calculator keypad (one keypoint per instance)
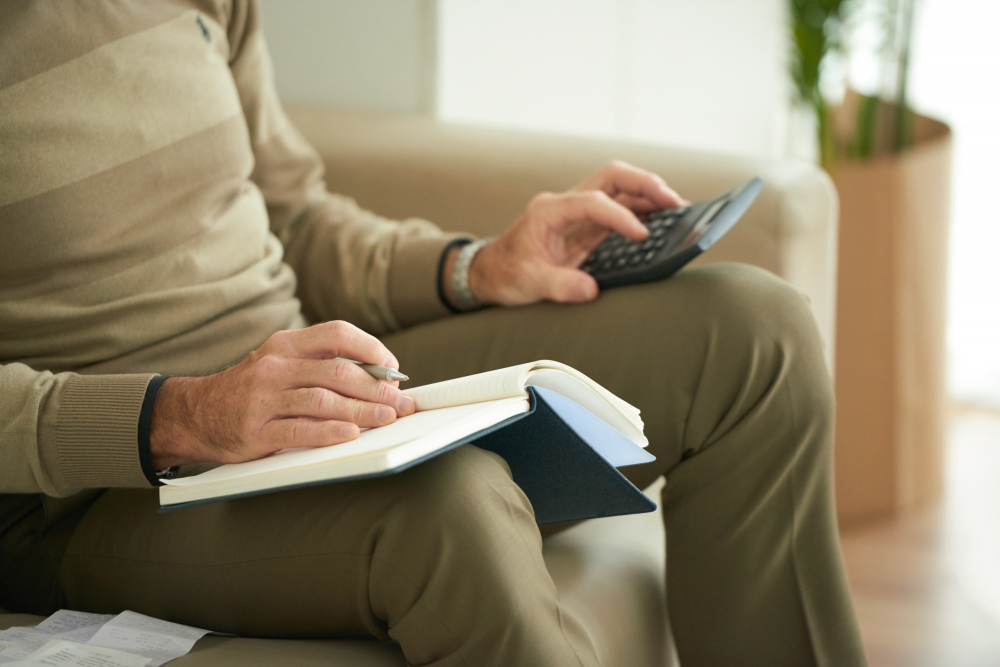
(617, 252)
(676, 236)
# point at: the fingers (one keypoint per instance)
(348, 379)
(323, 404)
(293, 433)
(332, 339)
(567, 285)
(619, 177)
(637, 205)
(597, 207)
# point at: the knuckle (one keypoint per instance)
(299, 432)
(318, 400)
(270, 363)
(277, 339)
(615, 166)
(359, 411)
(343, 371)
(541, 200)
(386, 393)
(595, 196)
(341, 329)
(331, 432)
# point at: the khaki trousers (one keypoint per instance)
(725, 363)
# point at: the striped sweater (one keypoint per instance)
(159, 214)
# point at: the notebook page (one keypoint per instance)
(482, 416)
(488, 386)
(508, 382)
(372, 440)
(628, 411)
(584, 395)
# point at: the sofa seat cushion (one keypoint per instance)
(609, 572)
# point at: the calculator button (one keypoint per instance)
(648, 257)
(605, 265)
(647, 244)
(658, 232)
(660, 243)
(636, 259)
(619, 251)
(622, 261)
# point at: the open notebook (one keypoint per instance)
(562, 434)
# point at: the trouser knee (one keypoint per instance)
(460, 510)
(763, 353)
(756, 309)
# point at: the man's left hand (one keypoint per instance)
(537, 257)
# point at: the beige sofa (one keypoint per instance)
(610, 572)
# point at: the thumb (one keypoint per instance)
(567, 285)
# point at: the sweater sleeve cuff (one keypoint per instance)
(145, 416)
(414, 278)
(96, 431)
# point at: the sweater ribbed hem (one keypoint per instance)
(97, 431)
(413, 279)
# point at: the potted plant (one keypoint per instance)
(891, 167)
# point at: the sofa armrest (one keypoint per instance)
(478, 180)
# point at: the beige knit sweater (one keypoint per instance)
(159, 214)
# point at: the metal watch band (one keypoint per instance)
(462, 297)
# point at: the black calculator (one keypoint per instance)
(676, 236)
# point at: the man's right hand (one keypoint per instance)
(291, 392)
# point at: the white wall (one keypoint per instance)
(702, 73)
(954, 76)
(364, 54)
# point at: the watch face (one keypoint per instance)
(461, 294)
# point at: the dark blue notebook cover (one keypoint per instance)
(563, 457)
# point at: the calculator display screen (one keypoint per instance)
(702, 225)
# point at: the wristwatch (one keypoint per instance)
(461, 295)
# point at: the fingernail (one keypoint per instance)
(384, 414)
(405, 404)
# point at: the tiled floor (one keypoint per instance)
(927, 585)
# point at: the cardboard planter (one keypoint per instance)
(890, 348)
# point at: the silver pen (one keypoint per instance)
(379, 372)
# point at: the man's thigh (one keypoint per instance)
(666, 347)
(347, 560)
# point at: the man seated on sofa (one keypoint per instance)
(162, 220)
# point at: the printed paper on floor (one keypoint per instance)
(161, 641)
(61, 653)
